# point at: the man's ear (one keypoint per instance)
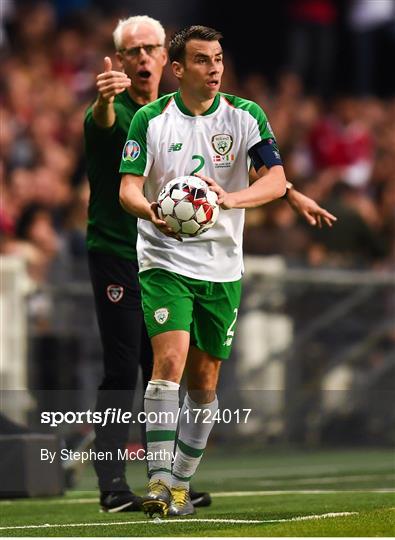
(119, 57)
(178, 69)
(165, 57)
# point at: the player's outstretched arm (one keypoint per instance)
(306, 207)
(314, 214)
(109, 83)
(132, 200)
(268, 187)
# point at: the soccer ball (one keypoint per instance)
(188, 206)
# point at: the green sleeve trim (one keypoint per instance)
(189, 450)
(134, 154)
(159, 435)
(158, 106)
(255, 111)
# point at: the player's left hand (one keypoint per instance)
(161, 224)
(224, 198)
(314, 214)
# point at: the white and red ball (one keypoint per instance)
(188, 206)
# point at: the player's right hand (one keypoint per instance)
(161, 224)
(109, 83)
(225, 200)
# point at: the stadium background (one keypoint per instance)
(315, 352)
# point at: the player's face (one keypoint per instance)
(142, 58)
(201, 72)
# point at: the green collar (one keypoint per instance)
(214, 106)
(131, 101)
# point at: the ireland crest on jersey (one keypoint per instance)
(115, 293)
(222, 143)
(161, 315)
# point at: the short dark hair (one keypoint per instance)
(180, 39)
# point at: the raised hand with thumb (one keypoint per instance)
(109, 83)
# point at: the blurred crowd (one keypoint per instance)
(339, 150)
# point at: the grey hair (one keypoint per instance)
(136, 21)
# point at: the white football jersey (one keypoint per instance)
(166, 141)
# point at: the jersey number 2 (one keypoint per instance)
(200, 166)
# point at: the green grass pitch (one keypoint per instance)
(331, 493)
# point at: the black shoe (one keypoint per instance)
(120, 501)
(199, 498)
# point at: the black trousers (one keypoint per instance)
(126, 347)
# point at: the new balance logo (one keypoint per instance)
(175, 147)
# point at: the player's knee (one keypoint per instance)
(202, 388)
(169, 365)
(203, 378)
